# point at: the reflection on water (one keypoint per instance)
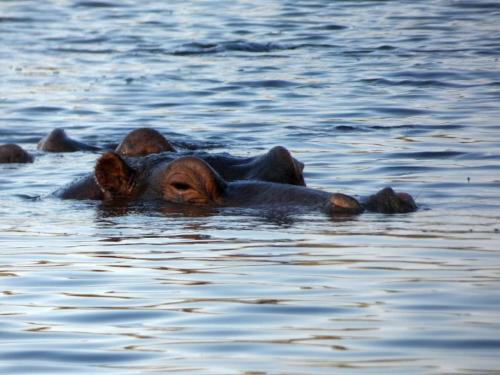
(367, 94)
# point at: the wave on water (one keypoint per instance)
(97, 4)
(16, 19)
(414, 83)
(201, 48)
(197, 48)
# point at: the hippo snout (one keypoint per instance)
(388, 201)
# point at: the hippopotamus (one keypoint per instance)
(138, 142)
(277, 165)
(11, 153)
(191, 180)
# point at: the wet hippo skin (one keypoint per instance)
(277, 165)
(11, 153)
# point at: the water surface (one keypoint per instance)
(366, 93)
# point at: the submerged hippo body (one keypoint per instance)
(277, 165)
(11, 153)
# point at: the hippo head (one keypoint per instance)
(143, 141)
(191, 181)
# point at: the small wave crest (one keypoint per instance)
(197, 48)
(201, 48)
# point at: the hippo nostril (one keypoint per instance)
(388, 201)
(407, 202)
(344, 204)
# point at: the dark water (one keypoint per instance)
(365, 93)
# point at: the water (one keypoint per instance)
(365, 93)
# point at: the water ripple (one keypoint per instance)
(366, 94)
(96, 4)
(242, 46)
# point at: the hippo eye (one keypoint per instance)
(181, 186)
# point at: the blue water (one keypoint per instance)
(365, 93)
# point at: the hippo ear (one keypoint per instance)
(191, 180)
(278, 165)
(292, 168)
(114, 177)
